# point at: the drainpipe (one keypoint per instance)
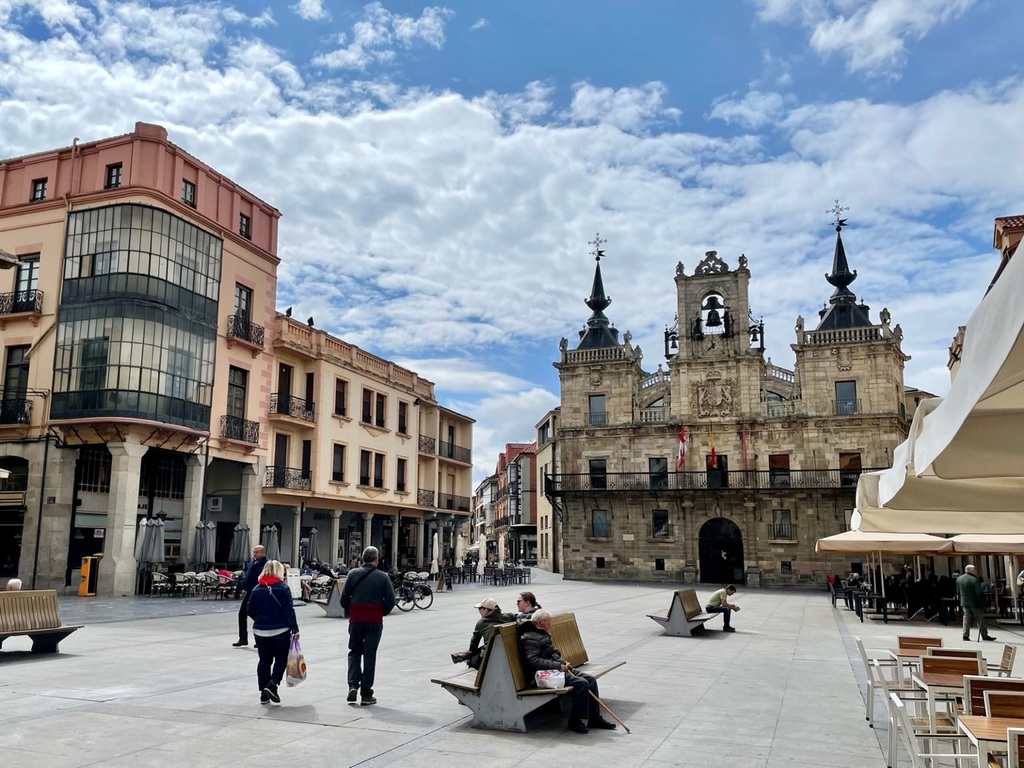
(39, 517)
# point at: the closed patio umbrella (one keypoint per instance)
(501, 550)
(481, 555)
(433, 553)
(210, 544)
(198, 543)
(272, 542)
(235, 551)
(140, 539)
(155, 552)
(459, 545)
(314, 546)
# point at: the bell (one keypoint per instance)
(712, 305)
(754, 336)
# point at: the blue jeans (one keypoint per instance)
(720, 609)
(272, 650)
(363, 640)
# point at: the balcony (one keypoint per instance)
(597, 419)
(654, 415)
(15, 410)
(781, 532)
(21, 302)
(659, 482)
(288, 477)
(448, 501)
(425, 498)
(296, 407)
(240, 328)
(237, 428)
(777, 409)
(428, 445)
(846, 407)
(455, 452)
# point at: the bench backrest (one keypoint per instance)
(691, 605)
(28, 609)
(565, 636)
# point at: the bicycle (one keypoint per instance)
(411, 591)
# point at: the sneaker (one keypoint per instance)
(578, 726)
(988, 637)
(240, 644)
(368, 700)
(728, 629)
(272, 694)
(352, 693)
(600, 722)
(264, 696)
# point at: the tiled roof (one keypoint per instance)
(1011, 221)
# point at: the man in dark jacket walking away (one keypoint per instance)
(367, 598)
(968, 589)
(250, 579)
(540, 653)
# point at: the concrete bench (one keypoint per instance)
(33, 613)
(685, 614)
(501, 693)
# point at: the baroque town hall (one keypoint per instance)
(772, 455)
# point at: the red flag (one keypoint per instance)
(714, 459)
(682, 447)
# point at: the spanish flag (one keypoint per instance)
(682, 447)
(714, 458)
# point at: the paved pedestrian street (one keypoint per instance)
(155, 682)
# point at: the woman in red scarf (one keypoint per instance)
(274, 624)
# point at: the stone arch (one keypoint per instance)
(720, 548)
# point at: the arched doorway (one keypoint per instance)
(721, 552)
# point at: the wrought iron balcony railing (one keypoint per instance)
(297, 407)
(782, 531)
(456, 452)
(15, 410)
(448, 501)
(242, 328)
(847, 407)
(425, 498)
(21, 301)
(766, 480)
(597, 418)
(288, 477)
(237, 428)
(428, 444)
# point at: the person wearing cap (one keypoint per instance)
(491, 616)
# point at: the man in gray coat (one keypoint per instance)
(367, 598)
(972, 602)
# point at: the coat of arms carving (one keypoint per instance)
(713, 397)
(596, 376)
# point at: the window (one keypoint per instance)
(659, 564)
(113, 179)
(371, 462)
(340, 396)
(544, 433)
(718, 475)
(381, 411)
(846, 398)
(26, 284)
(778, 470)
(237, 384)
(599, 523)
(597, 416)
(659, 524)
(94, 464)
(378, 470)
(243, 302)
(657, 469)
(782, 527)
(598, 474)
(849, 468)
(38, 189)
(599, 562)
(94, 365)
(244, 226)
(14, 406)
(367, 406)
(786, 567)
(400, 475)
(338, 464)
(403, 418)
(188, 192)
(179, 373)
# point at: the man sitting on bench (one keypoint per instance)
(539, 652)
(719, 603)
(491, 616)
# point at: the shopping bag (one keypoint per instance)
(550, 678)
(296, 670)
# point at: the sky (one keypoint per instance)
(440, 169)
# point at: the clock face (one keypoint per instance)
(709, 345)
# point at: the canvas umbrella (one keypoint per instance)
(198, 543)
(155, 551)
(272, 542)
(459, 544)
(481, 555)
(210, 543)
(864, 542)
(433, 553)
(314, 546)
(140, 539)
(501, 550)
(239, 551)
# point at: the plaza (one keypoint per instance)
(155, 682)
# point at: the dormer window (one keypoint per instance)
(188, 192)
(38, 189)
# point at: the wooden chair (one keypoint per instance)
(908, 693)
(877, 665)
(1004, 703)
(161, 584)
(975, 687)
(1005, 668)
(1015, 742)
(920, 743)
(959, 653)
(949, 665)
(908, 641)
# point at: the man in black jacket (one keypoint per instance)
(491, 617)
(539, 652)
(367, 598)
(250, 579)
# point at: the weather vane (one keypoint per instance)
(837, 211)
(597, 242)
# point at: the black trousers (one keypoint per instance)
(363, 640)
(273, 652)
(243, 619)
(583, 706)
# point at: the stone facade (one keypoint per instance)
(788, 445)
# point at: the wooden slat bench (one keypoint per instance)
(685, 614)
(33, 613)
(501, 693)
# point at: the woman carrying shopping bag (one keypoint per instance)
(274, 625)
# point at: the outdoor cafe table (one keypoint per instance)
(934, 683)
(908, 657)
(988, 734)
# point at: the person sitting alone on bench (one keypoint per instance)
(491, 616)
(719, 603)
(538, 652)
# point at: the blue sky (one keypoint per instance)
(441, 168)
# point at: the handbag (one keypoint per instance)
(295, 672)
(549, 678)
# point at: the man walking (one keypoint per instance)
(250, 579)
(972, 601)
(367, 598)
(719, 603)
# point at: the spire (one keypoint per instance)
(599, 331)
(844, 311)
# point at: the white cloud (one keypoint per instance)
(311, 10)
(379, 31)
(630, 109)
(870, 36)
(478, 24)
(754, 110)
